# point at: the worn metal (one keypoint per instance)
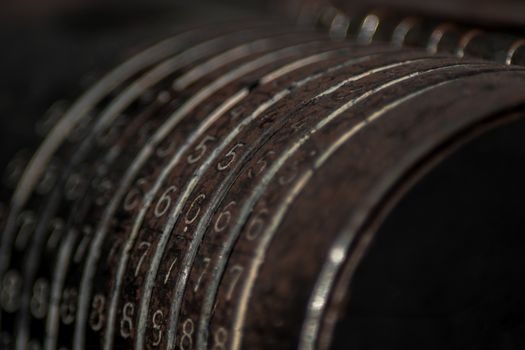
(218, 190)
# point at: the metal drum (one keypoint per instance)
(253, 185)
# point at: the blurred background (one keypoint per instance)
(57, 48)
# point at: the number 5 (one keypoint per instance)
(229, 158)
(200, 150)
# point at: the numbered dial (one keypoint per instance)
(210, 192)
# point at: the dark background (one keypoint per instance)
(52, 50)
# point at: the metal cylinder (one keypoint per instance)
(222, 189)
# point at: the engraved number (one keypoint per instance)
(164, 203)
(186, 341)
(57, 229)
(97, 317)
(206, 264)
(145, 246)
(236, 272)
(10, 291)
(126, 324)
(166, 148)
(68, 307)
(256, 225)
(229, 158)
(260, 166)
(27, 225)
(134, 196)
(168, 274)
(292, 172)
(157, 320)
(39, 299)
(200, 150)
(48, 180)
(220, 338)
(224, 218)
(194, 210)
(74, 186)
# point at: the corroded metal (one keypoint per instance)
(215, 190)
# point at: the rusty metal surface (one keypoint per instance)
(217, 190)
